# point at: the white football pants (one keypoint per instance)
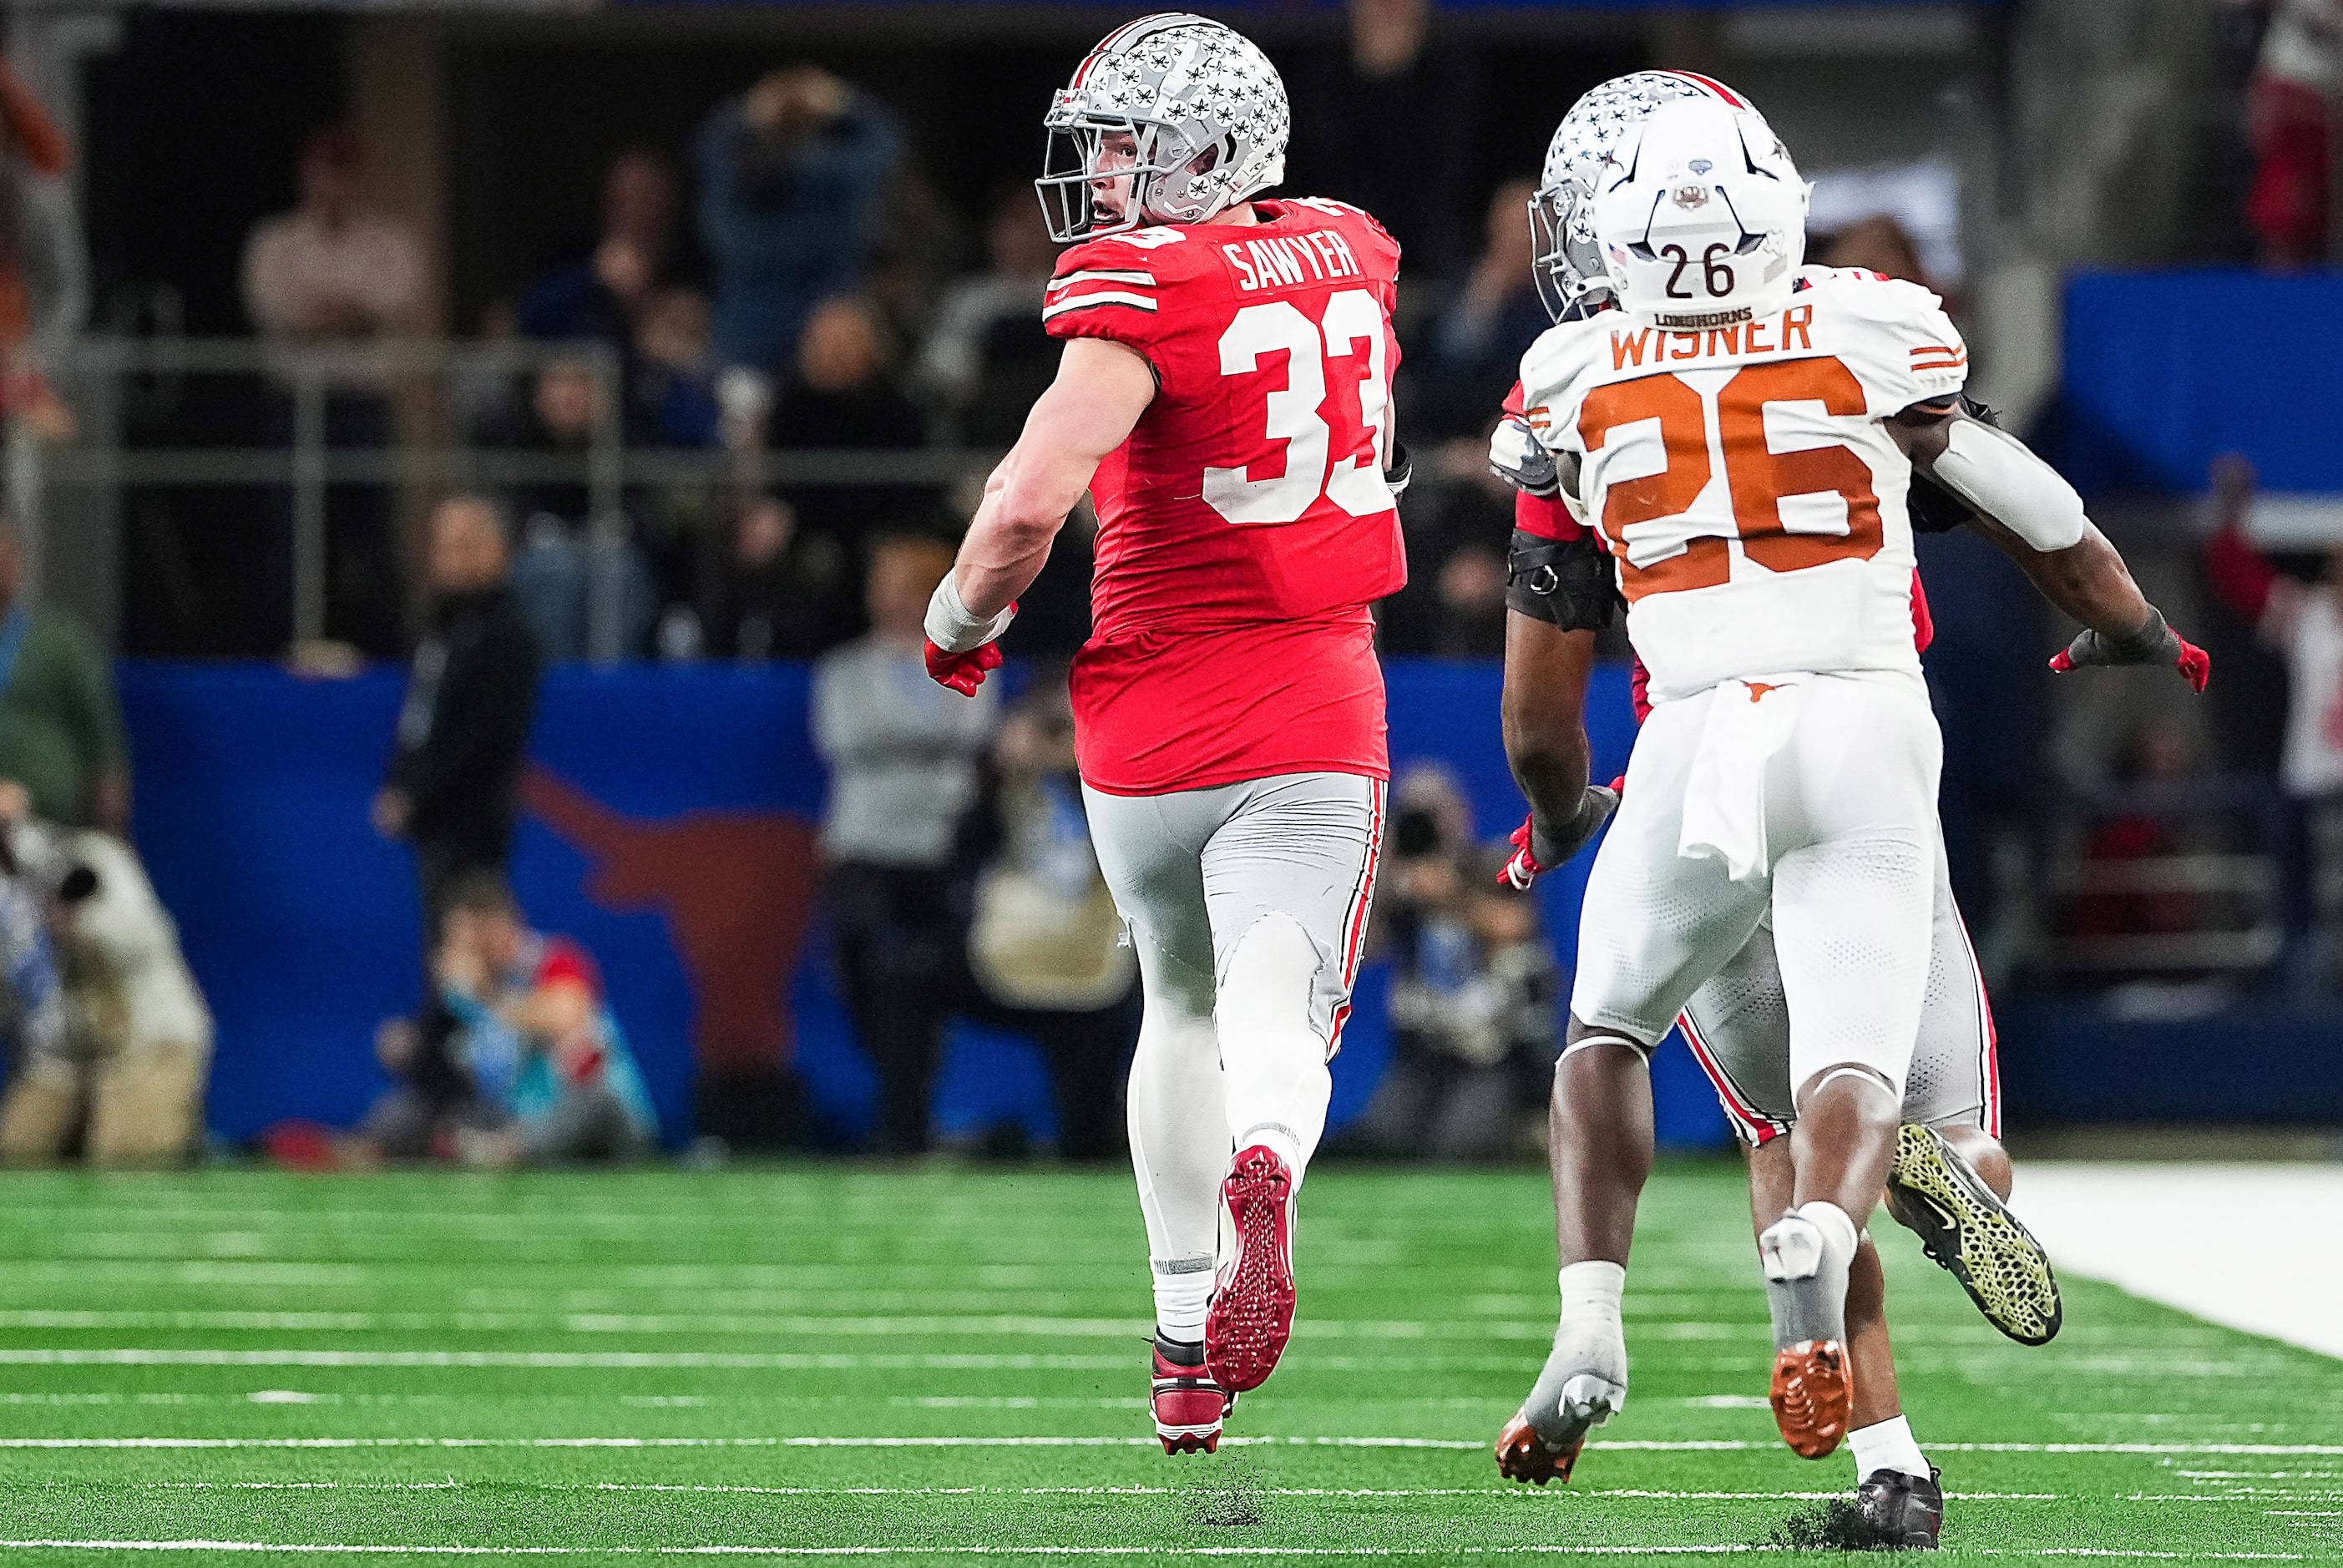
(1247, 905)
(1810, 800)
(1738, 1025)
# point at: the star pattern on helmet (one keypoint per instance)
(1584, 141)
(1203, 79)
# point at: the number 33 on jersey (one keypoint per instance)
(1252, 490)
(1743, 478)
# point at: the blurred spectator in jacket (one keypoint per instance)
(453, 787)
(546, 1075)
(2302, 622)
(1478, 342)
(60, 726)
(902, 754)
(671, 383)
(987, 357)
(2291, 105)
(334, 269)
(601, 288)
(121, 1066)
(560, 419)
(792, 180)
(539, 1040)
(339, 271)
(1391, 126)
(44, 290)
(779, 591)
(1473, 1000)
(1045, 943)
(842, 398)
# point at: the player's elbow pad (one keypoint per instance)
(1566, 583)
(1995, 472)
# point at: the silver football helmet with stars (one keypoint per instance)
(1564, 258)
(1172, 119)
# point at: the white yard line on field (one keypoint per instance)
(264, 1547)
(2234, 1243)
(1646, 1445)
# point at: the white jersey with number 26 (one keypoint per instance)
(1742, 477)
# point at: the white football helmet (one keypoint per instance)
(1564, 259)
(1171, 119)
(1701, 216)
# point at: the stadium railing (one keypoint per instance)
(139, 431)
(2167, 878)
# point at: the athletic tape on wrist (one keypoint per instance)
(952, 627)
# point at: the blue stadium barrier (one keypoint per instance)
(662, 795)
(2166, 370)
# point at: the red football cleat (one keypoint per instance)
(1251, 1314)
(1189, 1406)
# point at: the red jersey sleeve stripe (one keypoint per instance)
(1108, 296)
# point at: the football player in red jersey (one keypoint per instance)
(1225, 399)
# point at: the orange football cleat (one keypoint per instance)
(1813, 1395)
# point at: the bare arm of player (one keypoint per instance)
(2019, 503)
(1102, 389)
(1544, 711)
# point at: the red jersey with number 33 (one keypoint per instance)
(1244, 526)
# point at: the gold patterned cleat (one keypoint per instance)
(1968, 1231)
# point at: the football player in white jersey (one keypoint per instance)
(1747, 443)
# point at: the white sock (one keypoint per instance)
(1183, 1289)
(1832, 1222)
(1886, 1445)
(1272, 1061)
(1591, 1291)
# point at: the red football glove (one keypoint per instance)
(2154, 643)
(964, 672)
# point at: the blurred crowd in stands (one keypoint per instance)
(791, 282)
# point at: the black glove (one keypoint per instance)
(2154, 643)
(1538, 847)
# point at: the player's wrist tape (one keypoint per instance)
(1566, 583)
(1400, 470)
(1995, 472)
(952, 627)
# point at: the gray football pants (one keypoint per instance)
(1247, 905)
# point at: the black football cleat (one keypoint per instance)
(1903, 1513)
(1971, 1235)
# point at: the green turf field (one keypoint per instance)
(827, 1361)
